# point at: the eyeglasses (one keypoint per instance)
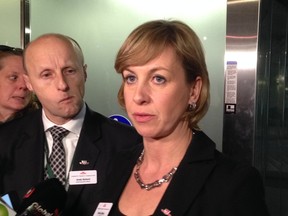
(13, 50)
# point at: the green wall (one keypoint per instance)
(100, 26)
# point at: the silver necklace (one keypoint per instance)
(157, 183)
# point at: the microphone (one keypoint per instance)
(11, 199)
(45, 199)
(5, 209)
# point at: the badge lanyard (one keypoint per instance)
(48, 166)
(49, 170)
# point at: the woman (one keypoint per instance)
(15, 98)
(177, 170)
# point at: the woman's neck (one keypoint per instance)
(167, 151)
(5, 115)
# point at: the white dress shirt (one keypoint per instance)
(70, 141)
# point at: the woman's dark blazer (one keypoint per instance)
(206, 183)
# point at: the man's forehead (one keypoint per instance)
(53, 45)
(49, 43)
(51, 52)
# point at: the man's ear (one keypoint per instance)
(85, 71)
(27, 82)
(195, 90)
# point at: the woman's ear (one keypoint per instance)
(195, 90)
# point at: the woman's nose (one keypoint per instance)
(22, 84)
(141, 94)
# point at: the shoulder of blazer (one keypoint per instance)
(92, 117)
(26, 124)
(25, 131)
(203, 149)
(96, 124)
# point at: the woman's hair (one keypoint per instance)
(150, 39)
(6, 51)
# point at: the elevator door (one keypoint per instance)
(271, 146)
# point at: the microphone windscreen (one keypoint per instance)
(5, 209)
(11, 199)
(49, 196)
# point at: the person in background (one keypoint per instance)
(177, 170)
(15, 98)
(56, 72)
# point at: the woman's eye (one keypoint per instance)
(130, 79)
(159, 79)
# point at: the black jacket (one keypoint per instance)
(206, 183)
(22, 156)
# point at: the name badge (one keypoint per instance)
(103, 209)
(82, 177)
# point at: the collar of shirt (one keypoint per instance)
(74, 125)
(71, 140)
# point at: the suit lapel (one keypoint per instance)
(29, 153)
(122, 167)
(190, 177)
(86, 154)
(34, 140)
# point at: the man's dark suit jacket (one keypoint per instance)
(206, 183)
(22, 156)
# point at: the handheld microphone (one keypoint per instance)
(45, 199)
(11, 198)
(5, 209)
